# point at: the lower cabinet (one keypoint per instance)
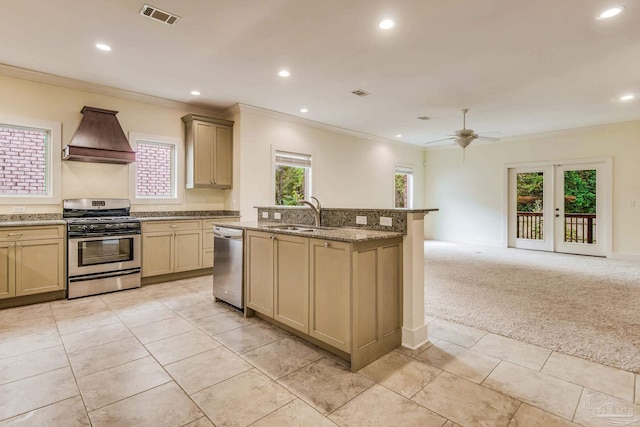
(278, 277)
(171, 247)
(346, 295)
(330, 302)
(32, 260)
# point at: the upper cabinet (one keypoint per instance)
(209, 151)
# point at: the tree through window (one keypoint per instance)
(293, 178)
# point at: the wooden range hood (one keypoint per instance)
(100, 139)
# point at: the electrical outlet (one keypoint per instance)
(362, 220)
(162, 207)
(19, 209)
(277, 215)
(386, 221)
(265, 215)
(632, 203)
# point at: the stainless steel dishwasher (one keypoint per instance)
(228, 265)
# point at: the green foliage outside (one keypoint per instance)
(400, 191)
(579, 191)
(290, 185)
(530, 185)
(580, 184)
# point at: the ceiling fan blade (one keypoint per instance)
(440, 140)
(488, 138)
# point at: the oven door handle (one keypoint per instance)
(83, 236)
(94, 276)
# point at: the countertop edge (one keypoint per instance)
(32, 223)
(367, 235)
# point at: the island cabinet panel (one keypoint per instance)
(377, 294)
(330, 299)
(365, 273)
(259, 258)
(391, 289)
(291, 290)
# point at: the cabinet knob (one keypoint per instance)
(272, 237)
(15, 234)
(326, 244)
(173, 225)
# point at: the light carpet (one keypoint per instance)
(583, 306)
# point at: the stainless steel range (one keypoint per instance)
(103, 246)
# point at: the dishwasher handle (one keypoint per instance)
(227, 233)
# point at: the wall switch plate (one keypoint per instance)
(19, 209)
(277, 215)
(162, 207)
(362, 220)
(386, 221)
(265, 215)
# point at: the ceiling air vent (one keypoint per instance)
(158, 14)
(360, 92)
(423, 118)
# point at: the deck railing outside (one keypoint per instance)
(578, 228)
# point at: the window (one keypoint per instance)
(154, 174)
(292, 177)
(403, 188)
(29, 172)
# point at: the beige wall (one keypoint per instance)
(470, 195)
(347, 171)
(40, 101)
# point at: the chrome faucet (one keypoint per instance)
(315, 209)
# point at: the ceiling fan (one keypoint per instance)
(464, 136)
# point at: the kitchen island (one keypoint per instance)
(339, 288)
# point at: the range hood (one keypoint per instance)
(99, 138)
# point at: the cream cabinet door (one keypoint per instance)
(187, 250)
(204, 134)
(7, 270)
(222, 157)
(291, 292)
(259, 274)
(157, 253)
(330, 299)
(39, 266)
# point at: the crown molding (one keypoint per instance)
(54, 80)
(245, 108)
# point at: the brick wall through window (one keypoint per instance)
(23, 161)
(153, 166)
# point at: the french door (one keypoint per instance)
(560, 208)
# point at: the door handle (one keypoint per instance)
(557, 215)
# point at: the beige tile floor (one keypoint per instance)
(168, 355)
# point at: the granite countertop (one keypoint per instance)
(32, 223)
(343, 234)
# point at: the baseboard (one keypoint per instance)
(625, 256)
(492, 243)
(413, 339)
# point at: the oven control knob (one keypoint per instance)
(91, 227)
(82, 227)
(107, 226)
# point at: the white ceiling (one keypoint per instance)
(521, 66)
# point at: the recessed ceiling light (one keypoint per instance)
(610, 13)
(628, 97)
(195, 93)
(386, 24)
(284, 73)
(304, 110)
(103, 46)
(399, 135)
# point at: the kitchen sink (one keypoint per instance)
(284, 227)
